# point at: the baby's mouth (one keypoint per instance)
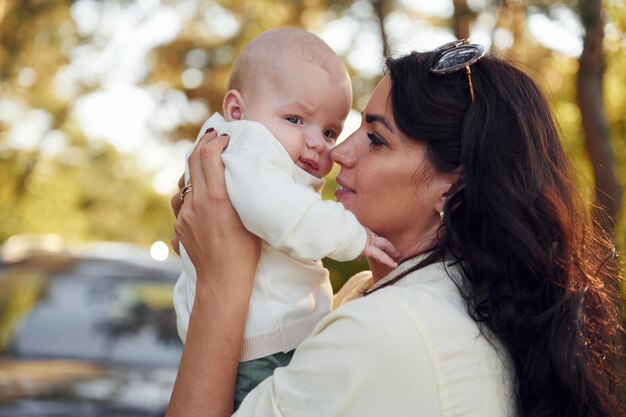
(309, 164)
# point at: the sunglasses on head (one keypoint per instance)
(456, 55)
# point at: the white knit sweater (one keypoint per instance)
(279, 202)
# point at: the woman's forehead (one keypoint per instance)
(379, 103)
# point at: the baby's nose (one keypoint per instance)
(315, 140)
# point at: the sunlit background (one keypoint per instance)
(100, 100)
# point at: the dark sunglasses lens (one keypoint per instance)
(457, 58)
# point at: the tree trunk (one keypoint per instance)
(589, 87)
(381, 7)
(461, 19)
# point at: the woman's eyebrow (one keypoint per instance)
(372, 118)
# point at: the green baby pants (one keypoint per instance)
(251, 373)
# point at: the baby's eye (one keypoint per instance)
(330, 135)
(295, 120)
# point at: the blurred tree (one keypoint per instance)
(461, 18)
(215, 34)
(615, 99)
(29, 47)
(81, 190)
(590, 99)
(382, 9)
(84, 194)
(88, 190)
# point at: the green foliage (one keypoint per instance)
(92, 195)
(91, 191)
(615, 93)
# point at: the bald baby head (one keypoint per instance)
(274, 53)
(292, 83)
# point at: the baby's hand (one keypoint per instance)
(380, 249)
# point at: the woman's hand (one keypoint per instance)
(207, 224)
(177, 202)
(225, 256)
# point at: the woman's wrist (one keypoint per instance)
(232, 282)
(231, 297)
(225, 256)
(206, 380)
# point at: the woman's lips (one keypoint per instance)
(343, 190)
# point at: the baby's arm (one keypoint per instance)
(380, 249)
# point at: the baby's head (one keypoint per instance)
(294, 84)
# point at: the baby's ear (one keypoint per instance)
(233, 105)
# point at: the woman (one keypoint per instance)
(502, 302)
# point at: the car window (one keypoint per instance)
(92, 309)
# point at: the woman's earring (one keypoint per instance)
(441, 214)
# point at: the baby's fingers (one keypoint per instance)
(387, 246)
(380, 256)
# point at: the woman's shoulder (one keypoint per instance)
(435, 283)
(422, 323)
(395, 320)
(394, 345)
(426, 303)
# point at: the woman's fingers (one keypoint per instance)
(213, 167)
(176, 201)
(196, 176)
(175, 245)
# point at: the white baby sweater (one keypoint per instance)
(279, 202)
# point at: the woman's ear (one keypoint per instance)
(441, 201)
(233, 105)
(448, 183)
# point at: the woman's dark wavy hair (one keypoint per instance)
(543, 277)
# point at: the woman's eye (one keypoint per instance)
(375, 140)
(295, 120)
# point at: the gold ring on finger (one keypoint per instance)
(184, 191)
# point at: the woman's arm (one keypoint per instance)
(225, 256)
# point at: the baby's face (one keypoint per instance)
(305, 108)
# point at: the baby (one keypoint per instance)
(288, 97)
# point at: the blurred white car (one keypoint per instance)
(89, 333)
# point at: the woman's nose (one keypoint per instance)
(343, 154)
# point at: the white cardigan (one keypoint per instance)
(406, 350)
(279, 202)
